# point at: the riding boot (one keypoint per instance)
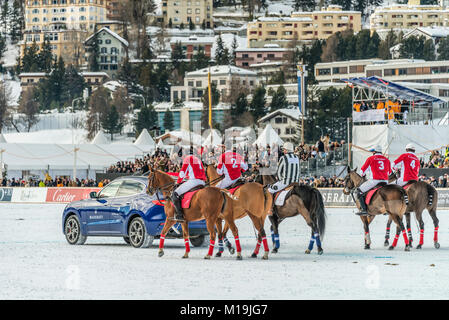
(176, 199)
(361, 197)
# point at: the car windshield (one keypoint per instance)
(110, 190)
(129, 188)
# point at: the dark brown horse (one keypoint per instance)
(421, 195)
(253, 201)
(306, 201)
(208, 203)
(389, 199)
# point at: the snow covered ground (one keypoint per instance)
(38, 263)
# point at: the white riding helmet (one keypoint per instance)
(376, 149)
(410, 146)
(288, 146)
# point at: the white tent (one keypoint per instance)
(144, 139)
(160, 144)
(213, 139)
(2, 138)
(268, 137)
(100, 138)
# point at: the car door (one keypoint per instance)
(123, 203)
(98, 214)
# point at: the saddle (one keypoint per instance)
(281, 196)
(371, 192)
(408, 184)
(233, 187)
(187, 197)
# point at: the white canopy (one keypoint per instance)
(268, 137)
(145, 139)
(2, 138)
(100, 138)
(213, 139)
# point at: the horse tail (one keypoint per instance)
(268, 200)
(432, 195)
(227, 196)
(318, 211)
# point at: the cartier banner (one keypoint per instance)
(68, 194)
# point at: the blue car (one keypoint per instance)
(124, 209)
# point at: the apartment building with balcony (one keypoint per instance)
(193, 44)
(302, 26)
(196, 82)
(66, 23)
(408, 16)
(183, 11)
(244, 58)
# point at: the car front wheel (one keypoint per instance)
(137, 233)
(197, 241)
(72, 230)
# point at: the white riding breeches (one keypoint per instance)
(367, 185)
(278, 186)
(189, 185)
(226, 182)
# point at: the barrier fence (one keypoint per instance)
(333, 197)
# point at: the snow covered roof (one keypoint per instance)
(222, 70)
(292, 113)
(192, 40)
(112, 33)
(434, 32)
(144, 138)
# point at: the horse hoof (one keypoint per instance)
(386, 243)
(231, 250)
(254, 255)
(239, 257)
(265, 256)
(419, 246)
(437, 245)
(185, 256)
(207, 257)
(391, 248)
(407, 248)
(160, 253)
(307, 251)
(367, 247)
(275, 250)
(320, 251)
(218, 255)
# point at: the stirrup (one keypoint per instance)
(362, 214)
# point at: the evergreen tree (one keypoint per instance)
(372, 50)
(94, 50)
(30, 60)
(168, 120)
(110, 121)
(412, 48)
(5, 15)
(200, 60)
(170, 23)
(429, 50)
(385, 45)
(45, 57)
(305, 5)
(191, 25)
(146, 119)
(17, 22)
(221, 52)
(127, 75)
(177, 55)
(74, 85)
(257, 105)
(443, 49)
(234, 47)
(279, 99)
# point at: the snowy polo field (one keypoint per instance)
(38, 263)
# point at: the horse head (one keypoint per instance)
(351, 181)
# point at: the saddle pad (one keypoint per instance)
(234, 189)
(187, 197)
(370, 195)
(409, 184)
(280, 197)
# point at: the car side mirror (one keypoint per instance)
(93, 195)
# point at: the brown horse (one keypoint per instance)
(421, 195)
(304, 200)
(253, 201)
(208, 203)
(389, 199)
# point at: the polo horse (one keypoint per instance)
(207, 203)
(421, 195)
(302, 200)
(385, 199)
(252, 201)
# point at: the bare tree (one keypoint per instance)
(74, 48)
(98, 104)
(5, 99)
(137, 11)
(29, 108)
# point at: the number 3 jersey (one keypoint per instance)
(409, 165)
(377, 167)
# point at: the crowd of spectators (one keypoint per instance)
(437, 159)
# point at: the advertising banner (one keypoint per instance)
(5, 194)
(334, 197)
(29, 194)
(65, 195)
(369, 115)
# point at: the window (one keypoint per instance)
(129, 188)
(110, 190)
(108, 41)
(198, 84)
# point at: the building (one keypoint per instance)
(193, 44)
(244, 58)
(112, 50)
(113, 8)
(408, 16)
(302, 26)
(187, 116)
(284, 122)
(66, 23)
(225, 78)
(177, 12)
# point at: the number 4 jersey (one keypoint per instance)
(409, 165)
(377, 167)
